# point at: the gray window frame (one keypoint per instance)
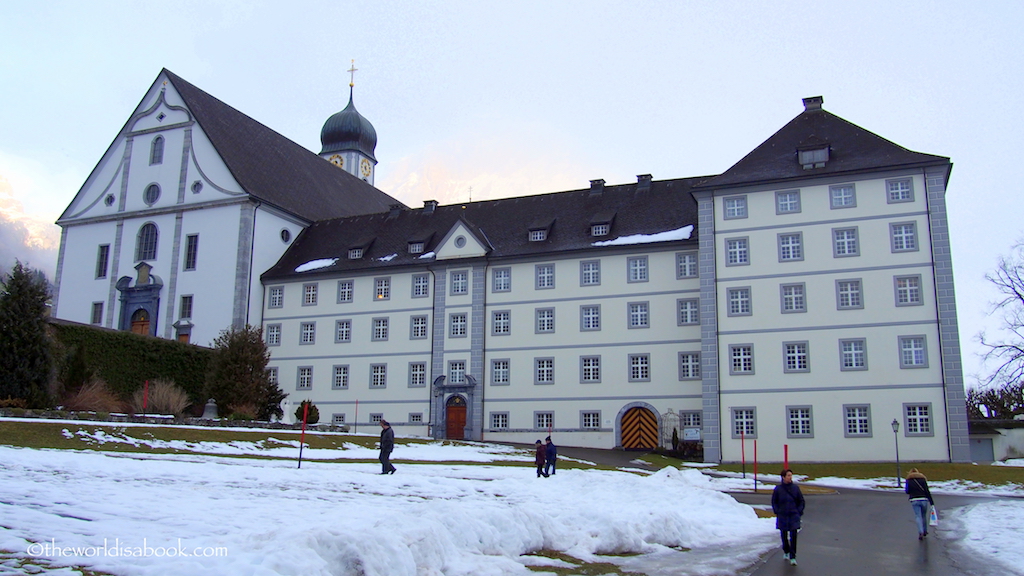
(583, 272)
(629, 315)
(629, 367)
(583, 419)
(186, 306)
(465, 324)
(924, 348)
(778, 204)
(412, 326)
(377, 283)
(298, 377)
(385, 373)
(832, 199)
(644, 270)
(279, 332)
(449, 372)
(494, 323)
(508, 376)
(536, 320)
(679, 311)
(583, 369)
(351, 290)
(680, 256)
(800, 245)
(147, 242)
(693, 414)
(337, 329)
(732, 422)
(96, 316)
(464, 274)
(373, 329)
(102, 260)
(191, 259)
(415, 417)
(842, 355)
(892, 237)
(537, 276)
(270, 296)
(860, 291)
(306, 293)
(493, 423)
(906, 420)
(494, 279)
(302, 333)
(745, 211)
(856, 241)
(746, 250)
(732, 370)
(156, 151)
(347, 377)
(846, 421)
(785, 357)
(426, 283)
(412, 383)
(536, 371)
(583, 317)
(888, 193)
(338, 419)
(728, 300)
(803, 297)
(896, 290)
(789, 421)
(536, 419)
(679, 365)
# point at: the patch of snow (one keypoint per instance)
(316, 264)
(678, 234)
(427, 255)
(387, 258)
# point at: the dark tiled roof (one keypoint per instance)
(502, 224)
(276, 170)
(853, 149)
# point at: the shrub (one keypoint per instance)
(242, 412)
(238, 373)
(314, 414)
(165, 397)
(94, 396)
(13, 403)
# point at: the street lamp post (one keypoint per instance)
(896, 436)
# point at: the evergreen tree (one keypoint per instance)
(25, 355)
(238, 373)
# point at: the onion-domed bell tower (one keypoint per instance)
(348, 139)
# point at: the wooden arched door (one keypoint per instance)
(455, 418)
(140, 322)
(639, 429)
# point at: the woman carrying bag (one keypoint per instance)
(920, 500)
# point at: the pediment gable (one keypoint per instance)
(462, 241)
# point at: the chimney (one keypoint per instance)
(643, 183)
(428, 206)
(596, 186)
(813, 103)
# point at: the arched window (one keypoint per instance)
(156, 151)
(145, 245)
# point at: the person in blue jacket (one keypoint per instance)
(552, 455)
(788, 505)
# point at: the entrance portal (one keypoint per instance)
(140, 322)
(639, 429)
(455, 418)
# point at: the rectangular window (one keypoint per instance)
(416, 247)
(904, 236)
(590, 273)
(305, 378)
(689, 311)
(799, 422)
(901, 190)
(460, 283)
(382, 289)
(544, 370)
(639, 315)
(538, 235)
(599, 229)
(378, 375)
(344, 291)
(416, 418)
(639, 367)
(918, 419)
(309, 294)
(813, 158)
(273, 334)
(590, 420)
(590, 317)
(857, 420)
(686, 265)
(307, 333)
(848, 295)
(853, 354)
(844, 242)
(457, 324)
(420, 285)
(501, 322)
(272, 376)
(275, 297)
(689, 365)
(744, 423)
(97, 312)
(380, 329)
(102, 259)
(340, 380)
(343, 331)
(417, 374)
(544, 420)
(739, 301)
(545, 276)
(417, 327)
(737, 252)
(791, 247)
(908, 290)
(843, 196)
(185, 307)
(793, 298)
(787, 202)
(191, 251)
(457, 372)
(637, 269)
(590, 369)
(735, 207)
(545, 320)
(375, 418)
(913, 353)
(741, 359)
(355, 253)
(338, 419)
(501, 280)
(499, 420)
(690, 419)
(500, 372)
(796, 357)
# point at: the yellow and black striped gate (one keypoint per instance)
(639, 429)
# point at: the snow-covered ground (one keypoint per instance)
(206, 512)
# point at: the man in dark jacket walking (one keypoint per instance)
(387, 444)
(788, 505)
(551, 454)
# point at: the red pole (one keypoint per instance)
(302, 437)
(355, 423)
(785, 456)
(145, 396)
(743, 452)
(755, 465)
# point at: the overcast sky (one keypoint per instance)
(491, 100)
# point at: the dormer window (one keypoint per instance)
(538, 235)
(599, 229)
(355, 253)
(813, 158)
(415, 247)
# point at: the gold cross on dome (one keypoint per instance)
(352, 71)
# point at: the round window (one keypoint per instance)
(152, 194)
(197, 187)
(460, 241)
(286, 235)
(109, 200)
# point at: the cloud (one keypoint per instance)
(31, 239)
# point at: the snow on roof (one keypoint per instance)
(316, 264)
(678, 234)
(387, 258)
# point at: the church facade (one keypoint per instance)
(802, 299)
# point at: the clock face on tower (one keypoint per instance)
(337, 160)
(365, 168)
